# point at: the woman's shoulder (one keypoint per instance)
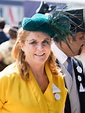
(9, 72)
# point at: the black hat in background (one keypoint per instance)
(45, 8)
(78, 17)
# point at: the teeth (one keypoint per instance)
(40, 55)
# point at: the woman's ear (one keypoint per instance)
(22, 47)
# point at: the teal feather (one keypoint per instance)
(60, 23)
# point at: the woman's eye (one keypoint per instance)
(45, 42)
(34, 42)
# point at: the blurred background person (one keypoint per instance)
(3, 36)
(6, 48)
(6, 29)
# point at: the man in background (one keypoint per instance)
(65, 48)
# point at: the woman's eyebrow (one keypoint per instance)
(31, 40)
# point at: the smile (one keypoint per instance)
(39, 54)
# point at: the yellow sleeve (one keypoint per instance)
(3, 88)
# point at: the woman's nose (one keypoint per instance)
(40, 46)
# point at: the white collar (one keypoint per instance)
(60, 55)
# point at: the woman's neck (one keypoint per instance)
(41, 77)
(38, 70)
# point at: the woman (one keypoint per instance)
(33, 84)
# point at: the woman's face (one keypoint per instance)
(37, 48)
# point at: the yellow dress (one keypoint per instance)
(16, 96)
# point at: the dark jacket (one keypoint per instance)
(77, 63)
(3, 37)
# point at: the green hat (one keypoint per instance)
(38, 22)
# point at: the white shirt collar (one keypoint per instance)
(61, 56)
